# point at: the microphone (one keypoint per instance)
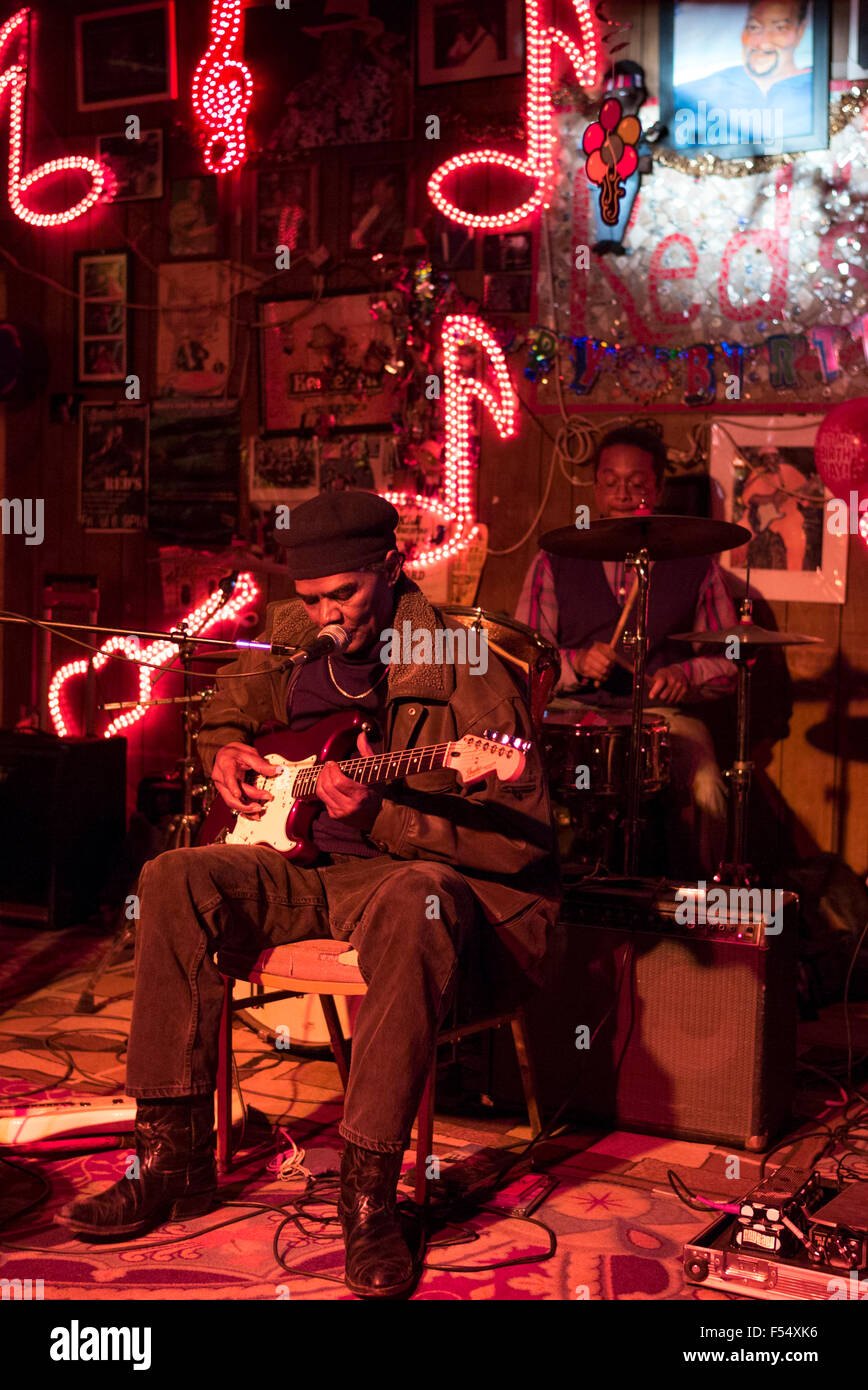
(331, 638)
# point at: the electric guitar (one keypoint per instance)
(286, 824)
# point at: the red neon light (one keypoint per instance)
(539, 164)
(459, 393)
(223, 91)
(246, 592)
(15, 78)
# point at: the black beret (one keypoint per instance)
(338, 532)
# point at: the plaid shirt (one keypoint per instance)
(710, 676)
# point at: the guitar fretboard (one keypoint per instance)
(383, 767)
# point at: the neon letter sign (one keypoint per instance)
(459, 392)
(15, 79)
(539, 164)
(222, 91)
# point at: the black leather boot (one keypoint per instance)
(378, 1260)
(177, 1173)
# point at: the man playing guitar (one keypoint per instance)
(423, 877)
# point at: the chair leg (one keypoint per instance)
(224, 1082)
(424, 1136)
(336, 1037)
(528, 1076)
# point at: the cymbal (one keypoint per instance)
(750, 634)
(664, 537)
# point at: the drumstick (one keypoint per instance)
(622, 623)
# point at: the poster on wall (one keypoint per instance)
(285, 211)
(763, 477)
(193, 217)
(459, 42)
(354, 461)
(283, 468)
(324, 359)
(137, 165)
(195, 466)
(761, 88)
(102, 331)
(113, 467)
(330, 74)
(193, 334)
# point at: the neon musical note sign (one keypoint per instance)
(459, 393)
(223, 91)
(539, 164)
(213, 611)
(17, 31)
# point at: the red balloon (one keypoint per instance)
(841, 448)
(610, 113)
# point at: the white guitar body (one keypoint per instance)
(270, 829)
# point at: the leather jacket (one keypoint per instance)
(498, 835)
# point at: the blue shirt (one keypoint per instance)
(733, 89)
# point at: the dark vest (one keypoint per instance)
(588, 610)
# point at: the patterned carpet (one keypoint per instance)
(619, 1227)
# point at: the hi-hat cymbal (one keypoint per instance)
(750, 634)
(664, 537)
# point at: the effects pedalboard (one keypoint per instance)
(796, 1236)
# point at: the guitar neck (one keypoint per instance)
(383, 767)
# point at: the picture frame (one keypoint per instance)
(283, 468)
(193, 217)
(102, 321)
(326, 358)
(194, 338)
(465, 42)
(126, 56)
(136, 165)
(113, 466)
(285, 210)
(720, 92)
(377, 214)
(309, 57)
(763, 477)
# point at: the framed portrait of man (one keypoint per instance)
(742, 78)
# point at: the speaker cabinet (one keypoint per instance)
(62, 824)
(691, 1029)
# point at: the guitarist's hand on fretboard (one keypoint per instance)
(227, 774)
(354, 803)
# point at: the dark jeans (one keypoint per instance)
(196, 900)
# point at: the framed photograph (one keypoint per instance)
(507, 294)
(193, 216)
(195, 472)
(460, 40)
(326, 358)
(285, 211)
(126, 56)
(763, 477)
(137, 165)
(113, 472)
(329, 74)
(509, 251)
(744, 77)
(102, 281)
(378, 207)
(193, 331)
(283, 468)
(354, 461)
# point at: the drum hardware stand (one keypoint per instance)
(738, 872)
(638, 639)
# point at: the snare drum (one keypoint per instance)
(574, 737)
(523, 650)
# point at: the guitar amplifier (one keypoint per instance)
(654, 1023)
(62, 824)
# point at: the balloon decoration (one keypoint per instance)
(610, 144)
(841, 448)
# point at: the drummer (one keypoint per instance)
(577, 603)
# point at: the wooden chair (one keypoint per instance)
(329, 968)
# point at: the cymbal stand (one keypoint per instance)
(640, 563)
(738, 870)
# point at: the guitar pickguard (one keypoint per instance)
(270, 829)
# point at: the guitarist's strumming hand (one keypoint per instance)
(352, 802)
(227, 774)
